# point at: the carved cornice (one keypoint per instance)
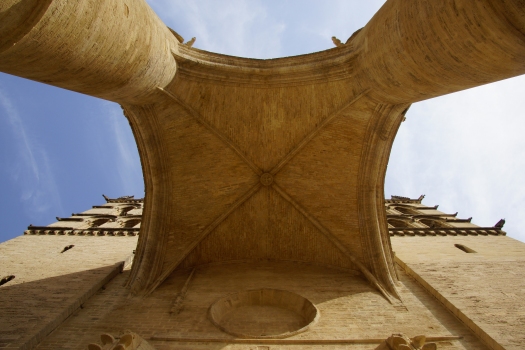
(448, 217)
(131, 201)
(407, 205)
(329, 65)
(404, 200)
(70, 231)
(124, 199)
(446, 231)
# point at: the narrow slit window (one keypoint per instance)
(464, 248)
(6, 279)
(66, 248)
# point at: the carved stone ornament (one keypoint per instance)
(128, 341)
(402, 342)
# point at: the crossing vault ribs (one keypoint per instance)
(263, 161)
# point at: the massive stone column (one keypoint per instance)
(114, 49)
(419, 49)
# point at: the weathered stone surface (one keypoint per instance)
(50, 285)
(127, 341)
(263, 174)
(112, 49)
(402, 342)
(320, 126)
(352, 314)
(485, 289)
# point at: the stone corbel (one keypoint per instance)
(402, 342)
(128, 341)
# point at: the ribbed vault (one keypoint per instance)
(280, 159)
(263, 160)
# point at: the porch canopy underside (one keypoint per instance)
(266, 160)
(280, 159)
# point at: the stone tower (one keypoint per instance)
(265, 170)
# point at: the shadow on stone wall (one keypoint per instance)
(29, 311)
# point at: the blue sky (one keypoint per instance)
(61, 150)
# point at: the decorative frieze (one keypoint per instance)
(401, 199)
(69, 231)
(446, 231)
(124, 199)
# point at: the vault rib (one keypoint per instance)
(203, 235)
(202, 121)
(368, 275)
(272, 184)
(314, 132)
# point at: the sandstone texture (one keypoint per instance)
(263, 175)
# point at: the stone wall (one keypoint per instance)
(485, 288)
(352, 314)
(49, 284)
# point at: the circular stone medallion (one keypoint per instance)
(266, 179)
(263, 313)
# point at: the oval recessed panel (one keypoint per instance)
(263, 313)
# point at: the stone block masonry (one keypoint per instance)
(49, 284)
(483, 285)
(352, 314)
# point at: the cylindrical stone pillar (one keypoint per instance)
(113, 49)
(413, 50)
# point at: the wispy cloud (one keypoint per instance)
(29, 166)
(24, 148)
(237, 27)
(127, 158)
(265, 29)
(464, 151)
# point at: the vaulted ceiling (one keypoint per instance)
(279, 159)
(265, 159)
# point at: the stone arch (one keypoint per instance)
(433, 223)
(405, 210)
(130, 222)
(398, 223)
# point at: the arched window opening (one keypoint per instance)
(433, 223)
(390, 211)
(124, 210)
(464, 248)
(398, 223)
(98, 222)
(405, 210)
(66, 248)
(6, 279)
(130, 223)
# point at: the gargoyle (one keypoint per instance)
(190, 43)
(500, 223)
(337, 42)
